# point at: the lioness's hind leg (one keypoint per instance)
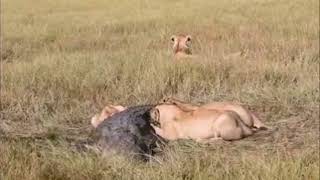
(231, 127)
(232, 134)
(227, 127)
(246, 130)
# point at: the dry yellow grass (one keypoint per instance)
(62, 61)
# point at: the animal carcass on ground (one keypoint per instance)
(128, 132)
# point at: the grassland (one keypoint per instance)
(62, 61)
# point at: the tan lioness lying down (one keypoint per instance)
(249, 118)
(107, 111)
(202, 124)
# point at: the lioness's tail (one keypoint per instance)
(257, 123)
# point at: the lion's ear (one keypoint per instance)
(173, 38)
(155, 117)
(189, 38)
(163, 100)
(154, 114)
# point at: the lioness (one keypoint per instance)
(181, 46)
(250, 119)
(202, 125)
(107, 111)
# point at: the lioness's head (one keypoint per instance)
(105, 113)
(164, 113)
(181, 45)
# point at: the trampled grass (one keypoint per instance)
(62, 61)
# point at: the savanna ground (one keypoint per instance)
(62, 61)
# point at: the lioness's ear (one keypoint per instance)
(173, 38)
(188, 37)
(163, 100)
(155, 117)
(154, 114)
